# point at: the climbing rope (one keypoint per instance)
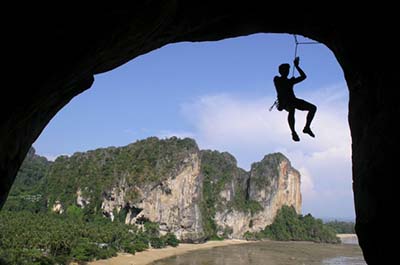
(295, 48)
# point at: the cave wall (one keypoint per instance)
(53, 53)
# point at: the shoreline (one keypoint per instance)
(150, 255)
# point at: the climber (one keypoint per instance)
(288, 101)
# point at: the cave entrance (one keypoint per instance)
(219, 93)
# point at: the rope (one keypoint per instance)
(295, 52)
(297, 44)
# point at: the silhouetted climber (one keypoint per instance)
(288, 101)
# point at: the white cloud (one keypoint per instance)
(222, 119)
(307, 185)
(245, 128)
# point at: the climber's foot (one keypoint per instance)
(295, 137)
(308, 131)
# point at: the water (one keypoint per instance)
(344, 261)
(272, 253)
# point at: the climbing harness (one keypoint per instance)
(297, 43)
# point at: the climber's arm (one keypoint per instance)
(301, 72)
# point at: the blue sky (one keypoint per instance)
(219, 94)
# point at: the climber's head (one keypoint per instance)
(284, 69)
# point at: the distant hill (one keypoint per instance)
(27, 190)
(32, 171)
(194, 194)
(342, 227)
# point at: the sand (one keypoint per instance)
(348, 238)
(148, 256)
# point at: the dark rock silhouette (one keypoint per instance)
(51, 55)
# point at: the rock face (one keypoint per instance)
(172, 203)
(58, 58)
(81, 201)
(176, 202)
(114, 200)
(271, 183)
(57, 207)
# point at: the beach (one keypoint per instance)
(240, 252)
(348, 238)
(151, 255)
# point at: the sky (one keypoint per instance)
(219, 93)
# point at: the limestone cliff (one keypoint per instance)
(271, 183)
(173, 202)
(274, 183)
(195, 194)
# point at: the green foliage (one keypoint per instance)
(26, 194)
(121, 216)
(84, 250)
(240, 203)
(75, 212)
(82, 234)
(141, 163)
(342, 227)
(170, 240)
(266, 169)
(218, 170)
(288, 225)
(46, 238)
(157, 242)
(152, 229)
(24, 257)
(207, 205)
(31, 234)
(33, 203)
(32, 171)
(141, 242)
